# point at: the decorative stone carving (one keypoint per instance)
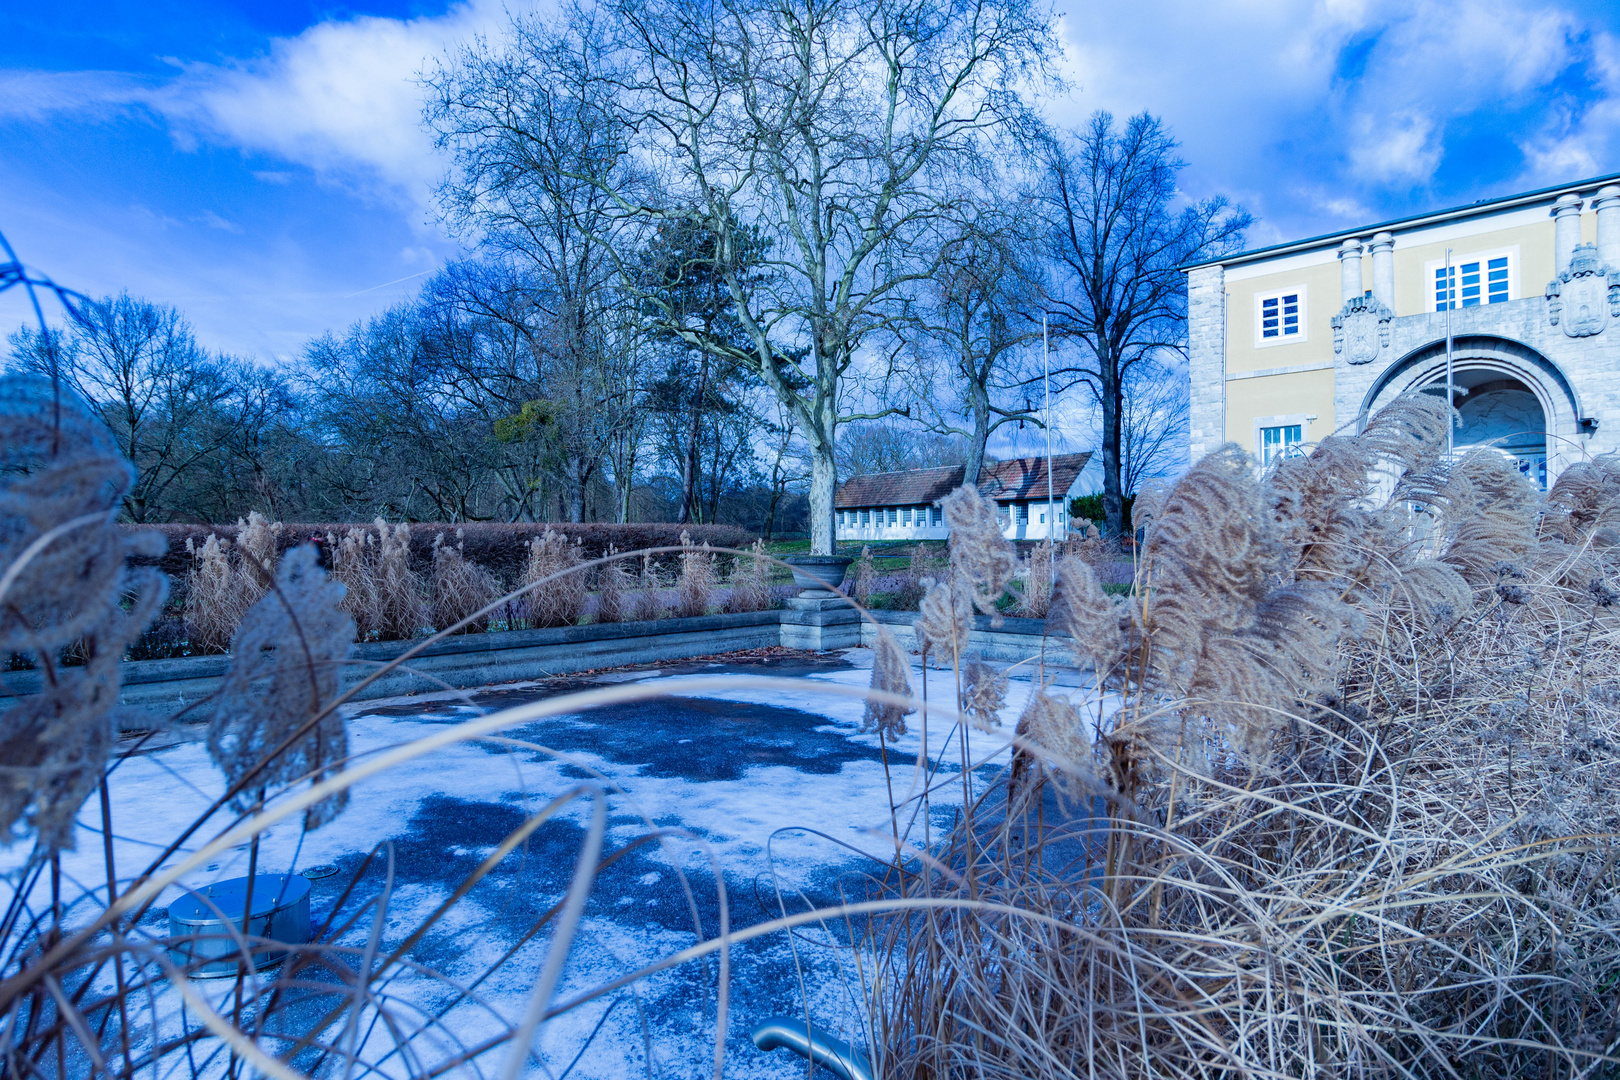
(1582, 298)
(1361, 329)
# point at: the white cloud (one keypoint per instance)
(40, 95)
(1302, 110)
(341, 98)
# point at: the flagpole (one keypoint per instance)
(1451, 301)
(1046, 374)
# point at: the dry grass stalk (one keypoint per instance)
(1344, 757)
(560, 601)
(213, 604)
(695, 589)
(59, 471)
(1036, 600)
(612, 583)
(220, 588)
(862, 578)
(889, 675)
(285, 665)
(649, 594)
(750, 581)
(353, 568)
(401, 613)
(460, 587)
(910, 592)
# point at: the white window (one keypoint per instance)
(866, 517)
(894, 516)
(1486, 277)
(1023, 513)
(936, 514)
(1275, 442)
(1279, 317)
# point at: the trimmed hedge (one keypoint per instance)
(499, 547)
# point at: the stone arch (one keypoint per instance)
(1491, 363)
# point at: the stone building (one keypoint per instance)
(905, 505)
(1292, 342)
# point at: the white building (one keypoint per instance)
(905, 505)
(1292, 342)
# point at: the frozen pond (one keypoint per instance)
(744, 772)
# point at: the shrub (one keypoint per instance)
(220, 589)
(696, 586)
(1037, 592)
(1349, 803)
(612, 582)
(649, 597)
(750, 581)
(561, 601)
(460, 587)
(862, 578)
(401, 614)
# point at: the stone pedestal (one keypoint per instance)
(809, 623)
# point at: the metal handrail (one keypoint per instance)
(805, 1039)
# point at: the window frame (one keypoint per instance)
(1432, 268)
(1260, 298)
(1285, 420)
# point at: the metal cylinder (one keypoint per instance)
(205, 926)
(1607, 205)
(1350, 268)
(1383, 269)
(811, 1042)
(1566, 228)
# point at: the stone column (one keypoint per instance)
(1383, 260)
(1607, 205)
(1206, 358)
(1350, 268)
(1566, 214)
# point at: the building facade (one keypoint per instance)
(905, 505)
(1290, 343)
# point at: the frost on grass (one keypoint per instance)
(286, 661)
(64, 593)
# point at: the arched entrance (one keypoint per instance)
(1510, 397)
(1501, 414)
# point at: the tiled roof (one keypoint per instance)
(1025, 478)
(1020, 478)
(914, 487)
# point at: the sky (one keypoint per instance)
(262, 165)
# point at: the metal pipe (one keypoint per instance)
(808, 1041)
(1051, 513)
(1451, 401)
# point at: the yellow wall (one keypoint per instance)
(1414, 291)
(1309, 392)
(1322, 302)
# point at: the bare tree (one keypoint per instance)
(1117, 243)
(532, 186)
(831, 131)
(977, 317)
(1154, 424)
(172, 407)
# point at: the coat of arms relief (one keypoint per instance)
(1361, 329)
(1583, 298)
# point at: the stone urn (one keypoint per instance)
(818, 575)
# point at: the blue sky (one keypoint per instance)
(261, 165)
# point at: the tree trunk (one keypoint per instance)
(1113, 504)
(823, 482)
(980, 404)
(689, 463)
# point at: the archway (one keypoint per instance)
(1510, 396)
(1501, 414)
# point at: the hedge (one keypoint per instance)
(499, 547)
